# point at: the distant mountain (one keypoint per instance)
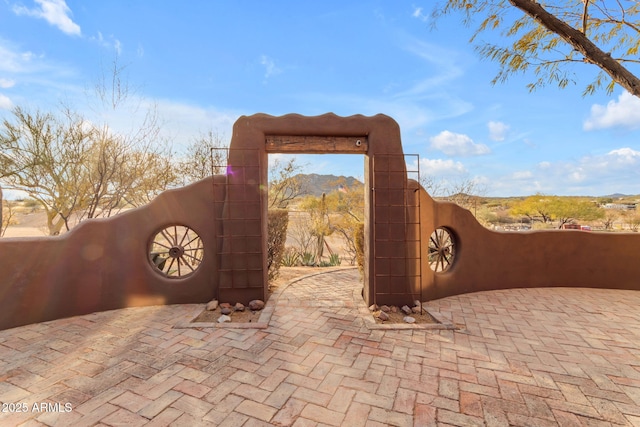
(316, 184)
(615, 196)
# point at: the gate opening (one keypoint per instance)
(325, 197)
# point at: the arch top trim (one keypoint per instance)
(300, 144)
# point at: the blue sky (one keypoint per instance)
(204, 63)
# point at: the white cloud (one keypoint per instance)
(5, 102)
(110, 43)
(14, 61)
(617, 171)
(269, 66)
(417, 13)
(624, 156)
(544, 165)
(522, 175)
(497, 130)
(6, 83)
(55, 12)
(440, 167)
(622, 113)
(578, 175)
(456, 144)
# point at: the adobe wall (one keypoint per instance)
(489, 260)
(103, 264)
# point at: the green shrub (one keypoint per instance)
(308, 259)
(334, 260)
(277, 222)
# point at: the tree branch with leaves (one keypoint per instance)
(549, 39)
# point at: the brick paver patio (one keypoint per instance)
(528, 357)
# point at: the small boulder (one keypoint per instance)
(224, 318)
(394, 309)
(238, 307)
(406, 310)
(256, 305)
(225, 310)
(416, 309)
(212, 305)
(409, 319)
(383, 316)
(373, 307)
(225, 305)
(385, 308)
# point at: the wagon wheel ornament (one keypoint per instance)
(176, 251)
(442, 249)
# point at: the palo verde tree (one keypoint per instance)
(285, 183)
(44, 156)
(552, 36)
(563, 210)
(206, 155)
(71, 167)
(320, 222)
(464, 192)
(536, 208)
(571, 209)
(346, 206)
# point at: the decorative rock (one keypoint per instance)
(224, 318)
(212, 305)
(405, 309)
(373, 307)
(409, 319)
(394, 309)
(225, 305)
(383, 316)
(225, 310)
(417, 303)
(256, 304)
(416, 309)
(239, 307)
(385, 308)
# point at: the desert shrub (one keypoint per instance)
(308, 259)
(301, 233)
(359, 241)
(290, 257)
(334, 260)
(277, 222)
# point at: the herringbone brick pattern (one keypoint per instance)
(529, 357)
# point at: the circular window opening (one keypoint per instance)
(442, 249)
(176, 251)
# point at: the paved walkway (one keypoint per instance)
(521, 357)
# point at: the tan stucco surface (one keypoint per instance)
(488, 260)
(102, 264)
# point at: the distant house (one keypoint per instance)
(621, 206)
(576, 227)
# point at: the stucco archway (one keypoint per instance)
(391, 244)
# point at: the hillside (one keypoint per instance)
(315, 184)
